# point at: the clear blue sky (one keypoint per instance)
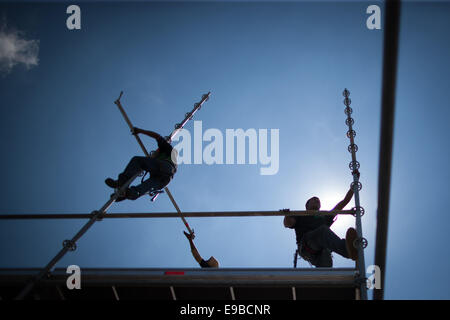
(269, 65)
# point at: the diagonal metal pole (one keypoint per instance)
(178, 128)
(70, 245)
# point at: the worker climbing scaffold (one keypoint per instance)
(161, 165)
(153, 185)
(315, 240)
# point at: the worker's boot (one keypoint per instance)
(350, 242)
(112, 183)
(126, 194)
(121, 197)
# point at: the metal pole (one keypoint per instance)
(189, 115)
(356, 185)
(70, 245)
(127, 120)
(178, 128)
(279, 213)
(390, 55)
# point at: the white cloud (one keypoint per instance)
(15, 50)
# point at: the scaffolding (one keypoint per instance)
(233, 284)
(305, 283)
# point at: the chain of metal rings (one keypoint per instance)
(353, 166)
(70, 245)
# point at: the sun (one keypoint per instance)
(329, 200)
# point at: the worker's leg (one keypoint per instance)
(323, 259)
(149, 185)
(324, 238)
(136, 165)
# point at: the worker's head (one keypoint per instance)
(212, 262)
(313, 204)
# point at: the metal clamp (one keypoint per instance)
(70, 245)
(352, 186)
(97, 214)
(361, 280)
(349, 121)
(361, 211)
(354, 165)
(348, 111)
(154, 194)
(352, 148)
(346, 93)
(347, 101)
(351, 134)
(360, 242)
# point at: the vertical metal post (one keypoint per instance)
(390, 55)
(356, 186)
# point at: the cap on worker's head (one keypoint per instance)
(212, 262)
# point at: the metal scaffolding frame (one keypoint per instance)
(358, 280)
(70, 245)
(355, 278)
(280, 213)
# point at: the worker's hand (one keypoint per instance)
(135, 131)
(188, 235)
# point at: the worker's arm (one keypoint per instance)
(341, 205)
(152, 134)
(194, 251)
(289, 222)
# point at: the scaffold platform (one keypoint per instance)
(187, 284)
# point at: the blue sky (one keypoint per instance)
(269, 65)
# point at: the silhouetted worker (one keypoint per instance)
(316, 241)
(161, 165)
(210, 263)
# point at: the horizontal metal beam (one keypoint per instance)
(319, 277)
(280, 213)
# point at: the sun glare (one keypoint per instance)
(328, 201)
